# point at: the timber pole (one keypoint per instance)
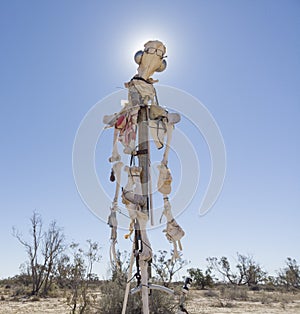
(143, 155)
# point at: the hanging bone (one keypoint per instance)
(115, 154)
(113, 223)
(173, 118)
(146, 253)
(174, 232)
(117, 167)
(128, 196)
(158, 124)
(164, 179)
(161, 123)
(112, 219)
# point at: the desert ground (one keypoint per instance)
(199, 302)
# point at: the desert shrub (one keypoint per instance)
(290, 275)
(268, 298)
(211, 294)
(19, 291)
(234, 293)
(78, 272)
(2, 298)
(161, 303)
(265, 298)
(270, 284)
(254, 288)
(112, 295)
(223, 303)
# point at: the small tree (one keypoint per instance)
(51, 250)
(166, 267)
(223, 267)
(79, 274)
(290, 275)
(249, 272)
(43, 251)
(201, 279)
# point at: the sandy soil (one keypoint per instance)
(53, 305)
(198, 303)
(259, 302)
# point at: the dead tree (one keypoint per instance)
(42, 250)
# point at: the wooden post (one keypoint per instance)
(144, 164)
(143, 134)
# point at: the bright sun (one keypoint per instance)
(139, 37)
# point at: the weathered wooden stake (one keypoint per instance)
(143, 137)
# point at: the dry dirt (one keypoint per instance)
(258, 302)
(199, 302)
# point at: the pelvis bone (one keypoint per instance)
(132, 193)
(132, 198)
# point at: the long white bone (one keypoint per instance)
(113, 223)
(115, 154)
(146, 253)
(173, 118)
(174, 232)
(112, 219)
(117, 167)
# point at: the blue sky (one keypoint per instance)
(239, 58)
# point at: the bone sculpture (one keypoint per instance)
(112, 218)
(140, 114)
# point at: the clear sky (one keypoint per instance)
(240, 58)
